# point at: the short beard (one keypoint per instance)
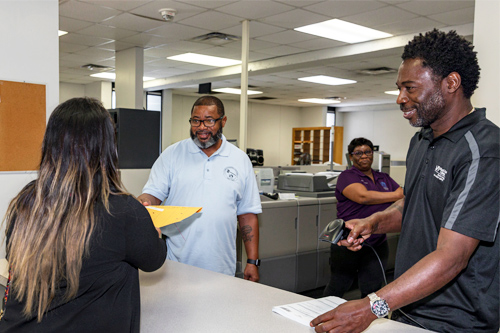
(211, 141)
(429, 111)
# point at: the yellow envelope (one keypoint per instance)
(165, 215)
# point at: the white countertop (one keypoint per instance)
(183, 298)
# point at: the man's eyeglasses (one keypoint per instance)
(360, 153)
(206, 122)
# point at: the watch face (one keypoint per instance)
(380, 308)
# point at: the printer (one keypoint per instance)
(307, 184)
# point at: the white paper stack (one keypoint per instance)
(304, 312)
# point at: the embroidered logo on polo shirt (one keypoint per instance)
(231, 173)
(384, 185)
(440, 173)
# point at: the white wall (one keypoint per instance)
(19, 39)
(385, 128)
(487, 45)
(70, 90)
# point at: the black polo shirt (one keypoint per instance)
(452, 182)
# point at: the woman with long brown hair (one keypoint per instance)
(75, 237)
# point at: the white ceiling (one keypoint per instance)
(278, 55)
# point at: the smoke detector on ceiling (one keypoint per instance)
(168, 14)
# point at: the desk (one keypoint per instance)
(182, 298)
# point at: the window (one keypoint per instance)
(330, 117)
(153, 100)
(113, 96)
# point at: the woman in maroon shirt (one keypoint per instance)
(360, 192)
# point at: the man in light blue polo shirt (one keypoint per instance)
(206, 171)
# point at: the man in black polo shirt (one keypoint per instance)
(447, 264)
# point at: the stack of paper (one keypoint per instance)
(304, 312)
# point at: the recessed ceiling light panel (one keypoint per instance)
(112, 76)
(329, 80)
(202, 59)
(236, 91)
(343, 31)
(392, 92)
(319, 100)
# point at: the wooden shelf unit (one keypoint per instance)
(316, 142)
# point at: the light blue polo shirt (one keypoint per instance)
(223, 184)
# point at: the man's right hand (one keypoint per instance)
(148, 199)
(361, 229)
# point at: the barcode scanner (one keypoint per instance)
(334, 232)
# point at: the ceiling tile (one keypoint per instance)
(213, 21)
(254, 10)
(116, 45)
(99, 30)
(145, 40)
(83, 39)
(415, 25)
(255, 45)
(178, 32)
(208, 3)
(435, 7)
(287, 37)
(132, 22)
(340, 9)
(456, 17)
(256, 29)
(92, 13)
(120, 5)
(282, 50)
(70, 48)
(72, 25)
(184, 10)
(317, 44)
(160, 52)
(380, 16)
(183, 47)
(295, 18)
(97, 52)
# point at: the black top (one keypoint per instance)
(452, 182)
(108, 298)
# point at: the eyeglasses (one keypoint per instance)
(206, 122)
(360, 153)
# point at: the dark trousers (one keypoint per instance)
(363, 265)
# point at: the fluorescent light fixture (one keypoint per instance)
(205, 60)
(105, 75)
(319, 100)
(112, 76)
(330, 80)
(236, 91)
(342, 31)
(62, 33)
(392, 92)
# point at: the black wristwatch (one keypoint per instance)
(254, 262)
(379, 306)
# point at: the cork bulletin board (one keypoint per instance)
(22, 125)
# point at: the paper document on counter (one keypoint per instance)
(165, 215)
(304, 312)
